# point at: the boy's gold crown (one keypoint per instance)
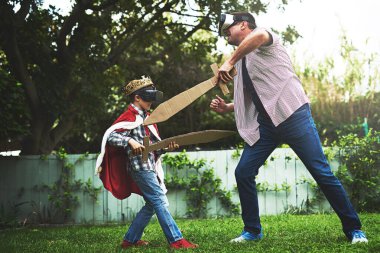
(135, 85)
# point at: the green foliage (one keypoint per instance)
(290, 35)
(310, 205)
(265, 187)
(200, 187)
(10, 218)
(302, 209)
(62, 194)
(182, 161)
(237, 152)
(199, 192)
(12, 106)
(359, 169)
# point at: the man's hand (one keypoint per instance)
(218, 105)
(224, 72)
(136, 147)
(172, 146)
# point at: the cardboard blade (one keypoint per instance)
(175, 104)
(187, 139)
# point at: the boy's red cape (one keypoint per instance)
(115, 174)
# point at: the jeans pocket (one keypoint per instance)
(294, 121)
(297, 128)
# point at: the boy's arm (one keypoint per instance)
(119, 139)
(123, 140)
(159, 152)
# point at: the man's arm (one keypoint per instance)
(251, 42)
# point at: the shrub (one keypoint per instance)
(359, 169)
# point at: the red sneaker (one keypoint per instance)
(183, 244)
(125, 244)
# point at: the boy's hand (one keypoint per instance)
(136, 147)
(172, 146)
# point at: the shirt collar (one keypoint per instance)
(142, 113)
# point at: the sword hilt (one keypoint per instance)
(222, 85)
(146, 151)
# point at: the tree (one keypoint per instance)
(342, 102)
(62, 72)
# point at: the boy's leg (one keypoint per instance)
(300, 133)
(138, 225)
(154, 195)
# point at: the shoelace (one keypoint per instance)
(358, 234)
(249, 236)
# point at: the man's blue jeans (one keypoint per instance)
(300, 133)
(155, 202)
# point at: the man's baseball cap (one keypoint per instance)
(227, 20)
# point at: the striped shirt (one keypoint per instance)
(120, 139)
(276, 84)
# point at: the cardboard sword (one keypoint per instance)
(185, 139)
(175, 104)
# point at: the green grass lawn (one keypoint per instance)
(283, 233)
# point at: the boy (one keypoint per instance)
(124, 172)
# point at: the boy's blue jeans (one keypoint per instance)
(300, 133)
(155, 202)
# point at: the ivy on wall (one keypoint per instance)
(358, 171)
(62, 194)
(201, 185)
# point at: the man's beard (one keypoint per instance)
(232, 42)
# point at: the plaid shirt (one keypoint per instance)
(277, 86)
(120, 139)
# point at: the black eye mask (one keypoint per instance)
(227, 20)
(151, 95)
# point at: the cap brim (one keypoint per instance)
(225, 24)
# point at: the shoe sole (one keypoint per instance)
(359, 241)
(243, 240)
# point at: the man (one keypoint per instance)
(270, 108)
(123, 171)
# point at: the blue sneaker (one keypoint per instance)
(247, 236)
(358, 236)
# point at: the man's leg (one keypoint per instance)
(300, 133)
(252, 159)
